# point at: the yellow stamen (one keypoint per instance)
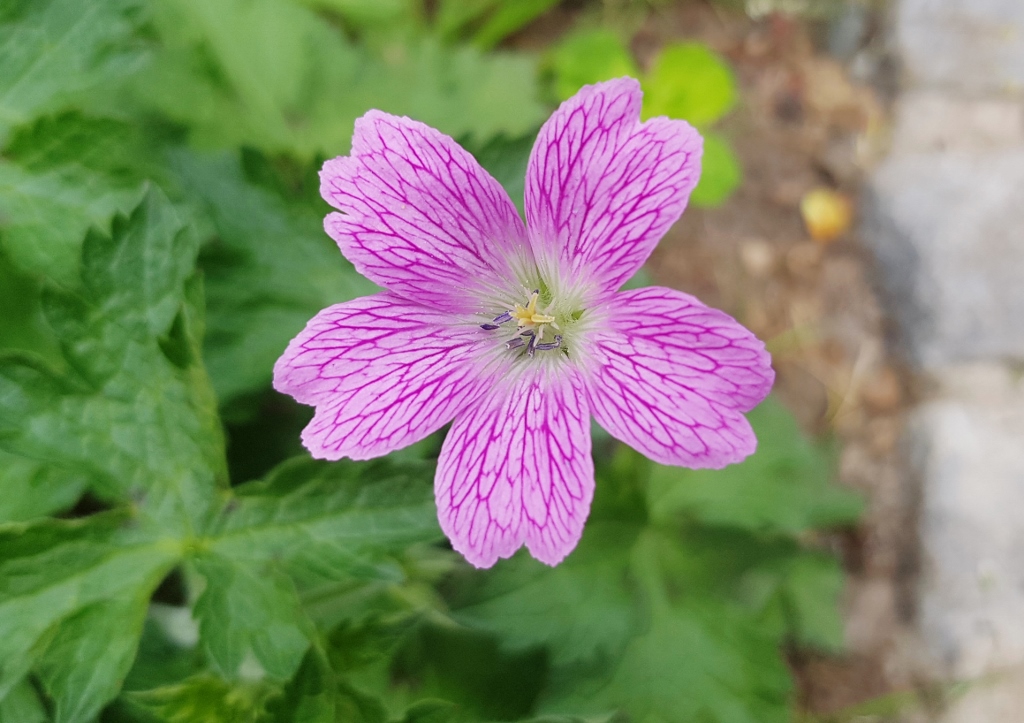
(528, 315)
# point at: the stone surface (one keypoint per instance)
(948, 231)
(995, 700)
(967, 444)
(944, 215)
(972, 46)
(929, 121)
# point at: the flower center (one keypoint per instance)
(531, 325)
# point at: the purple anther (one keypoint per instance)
(502, 318)
(514, 343)
(528, 332)
(532, 346)
(550, 345)
(489, 327)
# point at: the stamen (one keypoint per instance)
(531, 324)
(550, 345)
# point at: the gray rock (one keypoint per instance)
(968, 445)
(947, 229)
(930, 121)
(975, 46)
(997, 699)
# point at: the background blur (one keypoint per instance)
(168, 551)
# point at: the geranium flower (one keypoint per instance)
(517, 334)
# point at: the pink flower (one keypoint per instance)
(517, 333)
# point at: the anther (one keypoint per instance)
(514, 343)
(550, 345)
(489, 327)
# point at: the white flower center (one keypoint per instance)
(536, 329)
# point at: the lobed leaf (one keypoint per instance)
(203, 698)
(270, 268)
(51, 50)
(785, 486)
(68, 590)
(588, 57)
(273, 75)
(582, 609)
(330, 521)
(134, 411)
(249, 614)
(60, 176)
(701, 662)
(720, 175)
(33, 488)
(44, 216)
(689, 81)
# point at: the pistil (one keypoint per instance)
(532, 323)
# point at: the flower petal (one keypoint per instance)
(603, 188)
(517, 469)
(383, 373)
(671, 378)
(421, 217)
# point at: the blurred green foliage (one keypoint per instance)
(686, 81)
(164, 557)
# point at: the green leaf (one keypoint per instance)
(581, 609)
(487, 21)
(245, 611)
(134, 411)
(454, 15)
(507, 18)
(43, 217)
(24, 327)
(721, 173)
(783, 487)
(312, 695)
(691, 82)
(318, 523)
(607, 718)
(702, 662)
(89, 655)
(368, 15)
(273, 75)
(34, 489)
(22, 705)
(60, 176)
(813, 585)
(662, 622)
(444, 662)
(507, 159)
(270, 269)
(204, 699)
(317, 695)
(167, 652)
(434, 711)
(589, 57)
(327, 521)
(69, 591)
(51, 50)
(701, 651)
